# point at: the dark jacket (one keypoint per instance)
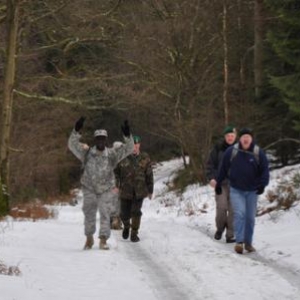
(244, 171)
(215, 159)
(134, 176)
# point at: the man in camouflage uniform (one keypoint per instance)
(134, 178)
(115, 221)
(98, 180)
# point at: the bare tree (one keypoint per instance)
(258, 46)
(226, 68)
(12, 19)
(58, 54)
(178, 69)
(174, 59)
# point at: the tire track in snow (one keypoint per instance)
(165, 284)
(292, 276)
(289, 274)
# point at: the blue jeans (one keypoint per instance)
(244, 205)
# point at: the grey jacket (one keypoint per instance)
(98, 175)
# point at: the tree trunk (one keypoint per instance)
(225, 64)
(258, 46)
(240, 33)
(12, 16)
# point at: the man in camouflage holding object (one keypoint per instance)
(98, 180)
(134, 177)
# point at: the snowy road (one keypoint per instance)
(197, 267)
(177, 257)
(291, 274)
(172, 261)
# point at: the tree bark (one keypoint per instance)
(225, 64)
(12, 17)
(258, 46)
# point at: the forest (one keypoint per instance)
(177, 70)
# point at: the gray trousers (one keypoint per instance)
(97, 202)
(224, 213)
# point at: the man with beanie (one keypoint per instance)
(246, 167)
(224, 214)
(134, 178)
(98, 180)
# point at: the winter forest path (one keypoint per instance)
(291, 274)
(172, 261)
(177, 258)
(163, 282)
(183, 262)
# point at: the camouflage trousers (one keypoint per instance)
(92, 203)
(115, 212)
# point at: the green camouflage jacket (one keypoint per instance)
(134, 176)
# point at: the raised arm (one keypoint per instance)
(127, 147)
(74, 140)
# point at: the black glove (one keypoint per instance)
(260, 190)
(218, 190)
(125, 129)
(79, 124)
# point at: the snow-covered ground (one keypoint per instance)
(177, 257)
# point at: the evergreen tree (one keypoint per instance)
(284, 38)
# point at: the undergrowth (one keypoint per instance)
(183, 179)
(38, 209)
(284, 196)
(9, 270)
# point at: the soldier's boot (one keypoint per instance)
(135, 225)
(134, 236)
(103, 245)
(125, 233)
(89, 242)
(116, 223)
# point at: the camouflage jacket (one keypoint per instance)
(98, 174)
(134, 176)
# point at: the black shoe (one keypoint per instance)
(230, 240)
(125, 233)
(134, 238)
(218, 235)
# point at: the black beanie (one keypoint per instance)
(246, 131)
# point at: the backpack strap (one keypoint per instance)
(256, 153)
(236, 149)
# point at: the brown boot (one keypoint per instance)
(238, 248)
(103, 245)
(249, 248)
(116, 223)
(89, 242)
